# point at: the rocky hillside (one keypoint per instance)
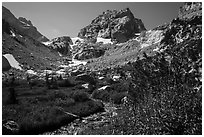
(150, 43)
(117, 25)
(61, 44)
(22, 26)
(21, 39)
(190, 10)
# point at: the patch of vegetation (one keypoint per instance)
(65, 83)
(114, 93)
(79, 96)
(166, 91)
(47, 110)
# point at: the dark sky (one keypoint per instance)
(55, 19)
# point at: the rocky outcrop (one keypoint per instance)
(87, 51)
(190, 10)
(22, 26)
(22, 40)
(117, 25)
(61, 44)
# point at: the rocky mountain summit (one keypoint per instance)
(117, 25)
(22, 26)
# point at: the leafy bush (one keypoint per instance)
(43, 119)
(165, 89)
(38, 83)
(65, 83)
(64, 103)
(83, 109)
(101, 94)
(79, 96)
(117, 97)
(166, 101)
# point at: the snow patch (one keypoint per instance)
(60, 54)
(61, 72)
(13, 34)
(47, 43)
(25, 24)
(104, 87)
(12, 61)
(161, 50)
(63, 66)
(74, 41)
(153, 37)
(156, 49)
(115, 78)
(77, 62)
(85, 85)
(137, 34)
(101, 78)
(105, 41)
(31, 72)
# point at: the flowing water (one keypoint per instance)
(92, 122)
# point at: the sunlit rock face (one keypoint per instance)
(190, 10)
(117, 25)
(61, 44)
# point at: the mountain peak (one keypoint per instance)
(119, 25)
(25, 21)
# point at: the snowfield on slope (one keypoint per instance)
(12, 61)
(74, 41)
(77, 62)
(153, 37)
(47, 43)
(105, 41)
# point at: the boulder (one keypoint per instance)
(107, 87)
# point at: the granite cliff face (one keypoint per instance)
(190, 10)
(61, 44)
(22, 26)
(117, 25)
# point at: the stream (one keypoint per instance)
(92, 122)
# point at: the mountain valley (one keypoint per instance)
(114, 78)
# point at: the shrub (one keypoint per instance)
(64, 103)
(38, 83)
(57, 94)
(79, 96)
(65, 83)
(43, 119)
(117, 97)
(122, 86)
(87, 108)
(101, 94)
